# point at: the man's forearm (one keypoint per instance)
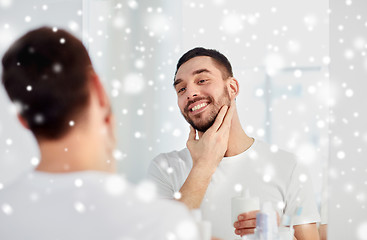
(195, 186)
(306, 232)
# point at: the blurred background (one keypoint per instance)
(279, 51)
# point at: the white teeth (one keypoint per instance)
(198, 106)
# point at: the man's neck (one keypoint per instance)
(75, 152)
(238, 141)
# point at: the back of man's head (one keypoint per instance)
(46, 73)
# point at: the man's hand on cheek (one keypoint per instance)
(211, 147)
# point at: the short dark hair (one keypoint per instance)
(46, 72)
(218, 58)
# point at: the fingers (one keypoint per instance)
(244, 231)
(192, 134)
(251, 223)
(248, 215)
(246, 223)
(218, 121)
(228, 118)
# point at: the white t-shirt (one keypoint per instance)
(89, 205)
(273, 176)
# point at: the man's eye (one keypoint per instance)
(181, 90)
(202, 81)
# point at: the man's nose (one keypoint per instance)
(191, 92)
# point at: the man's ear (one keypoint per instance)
(23, 121)
(233, 87)
(97, 87)
(103, 101)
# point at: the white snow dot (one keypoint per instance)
(115, 185)
(340, 155)
(349, 93)
(124, 111)
(281, 205)
(302, 177)
(73, 26)
(38, 118)
(27, 19)
(169, 170)
(133, 83)
(34, 197)
(117, 154)
(71, 123)
(349, 54)
(7, 209)
(259, 92)
(326, 60)
(114, 92)
(274, 148)
(29, 88)
(1, 186)
(238, 187)
(140, 112)
(320, 124)
(9, 142)
(298, 73)
(176, 132)
(78, 182)
(146, 191)
(311, 89)
(349, 188)
(35, 161)
(139, 64)
(359, 43)
(260, 132)
(44, 7)
(54, 29)
(266, 178)
(177, 195)
(232, 23)
(348, 2)
(119, 22)
(79, 207)
(249, 129)
(62, 40)
(57, 67)
(186, 229)
(133, 4)
(137, 135)
(5, 3)
(360, 197)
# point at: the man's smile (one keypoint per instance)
(197, 107)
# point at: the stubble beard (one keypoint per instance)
(204, 124)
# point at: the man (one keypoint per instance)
(73, 193)
(224, 159)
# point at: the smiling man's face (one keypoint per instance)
(201, 91)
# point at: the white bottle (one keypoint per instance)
(205, 229)
(266, 223)
(242, 204)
